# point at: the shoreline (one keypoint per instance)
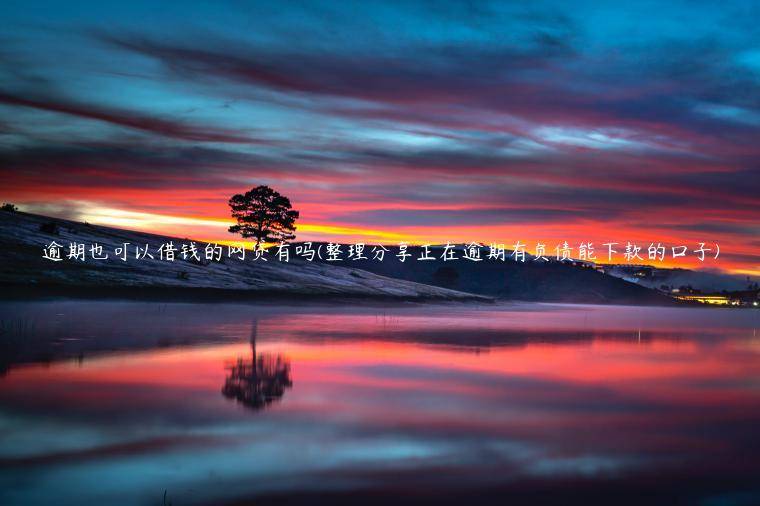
(9, 292)
(41, 292)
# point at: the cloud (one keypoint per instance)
(130, 119)
(459, 217)
(548, 83)
(388, 115)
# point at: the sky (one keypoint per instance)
(393, 121)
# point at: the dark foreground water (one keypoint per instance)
(120, 402)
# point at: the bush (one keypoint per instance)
(7, 206)
(447, 277)
(49, 227)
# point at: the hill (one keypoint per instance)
(529, 281)
(23, 237)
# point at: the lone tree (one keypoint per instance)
(264, 214)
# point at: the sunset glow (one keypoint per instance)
(494, 124)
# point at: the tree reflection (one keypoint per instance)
(258, 382)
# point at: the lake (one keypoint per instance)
(177, 403)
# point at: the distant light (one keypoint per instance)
(755, 303)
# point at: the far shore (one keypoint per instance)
(11, 292)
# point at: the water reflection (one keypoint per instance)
(459, 405)
(258, 382)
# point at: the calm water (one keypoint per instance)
(116, 402)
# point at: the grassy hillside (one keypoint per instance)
(530, 281)
(23, 237)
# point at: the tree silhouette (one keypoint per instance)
(259, 382)
(264, 214)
